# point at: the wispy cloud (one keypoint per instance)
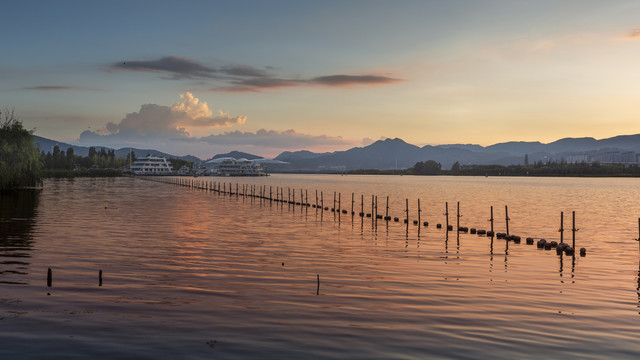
(243, 78)
(347, 80)
(633, 35)
(289, 139)
(175, 66)
(57, 88)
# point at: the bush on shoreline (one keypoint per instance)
(19, 157)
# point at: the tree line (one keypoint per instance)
(553, 168)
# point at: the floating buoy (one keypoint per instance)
(361, 214)
(368, 215)
(426, 223)
(449, 227)
(547, 246)
(515, 238)
(439, 226)
(326, 208)
(541, 243)
(569, 250)
(553, 244)
(344, 211)
(583, 251)
(559, 250)
(482, 232)
(529, 241)
(472, 230)
(388, 218)
(415, 222)
(396, 219)
(406, 221)
(463, 229)
(490, 233)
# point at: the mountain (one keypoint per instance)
(289, 156)
(237, 155)
(47, 146)
(397, 154)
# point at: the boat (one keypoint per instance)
(152, 165)
(235, 167)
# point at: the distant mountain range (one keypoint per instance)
(397, 154)
(48, 144)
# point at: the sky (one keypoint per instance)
(209, 77)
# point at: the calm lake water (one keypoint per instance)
(189, 273)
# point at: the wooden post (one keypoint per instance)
(419, 211)
(306, 198)
(100, 278)
(386, 211)
(574, 229)
(49, 278)
(407, 210)
(322, 200)
(506, 217)
(352, 201)
(561, 226)
(446, 213)
(362, 204)
(316, 199)
(334, 200)
(458, 217)
(339, 203)
(372, 205)
(638, 239)
(491, 220)
(375, 213)
(318, 288)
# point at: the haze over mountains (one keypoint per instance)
(397, 154)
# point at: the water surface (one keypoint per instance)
(190, 273)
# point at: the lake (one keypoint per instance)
(194, 274)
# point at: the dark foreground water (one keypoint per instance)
(193, 274)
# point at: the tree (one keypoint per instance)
(19, 157)
(526, 159)
(429, 167)
(455, 166)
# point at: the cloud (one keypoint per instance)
(346, 80)
(633, 35)
(56, 88)
(288, 139)
(242, 78)
(176, 66)
(153, 122)
(367, 141)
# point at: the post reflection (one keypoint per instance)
(17, 213)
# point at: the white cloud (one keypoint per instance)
(171, 129)
(154, 121)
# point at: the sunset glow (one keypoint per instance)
(321, 76)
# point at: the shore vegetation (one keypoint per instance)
(20, 165)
